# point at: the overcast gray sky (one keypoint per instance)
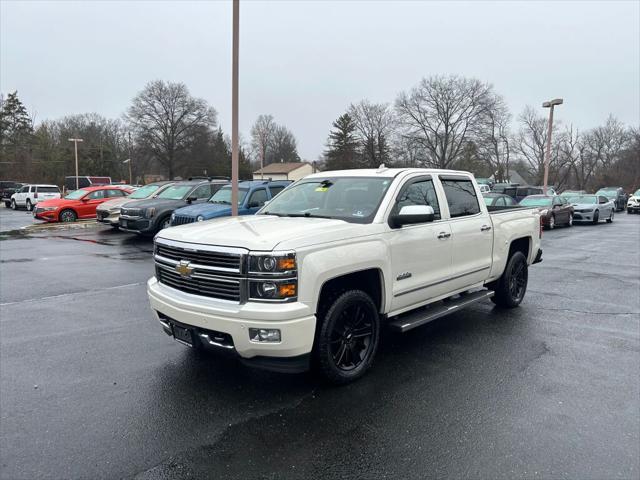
(304, 62)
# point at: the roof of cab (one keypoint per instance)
(384, 172)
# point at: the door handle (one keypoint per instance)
(444, 235)
(485, 228)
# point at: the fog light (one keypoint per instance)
(264, 335)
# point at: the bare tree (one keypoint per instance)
(374, 124)
(166, 119)
(262, 136)
(441, 114)
(493, 142)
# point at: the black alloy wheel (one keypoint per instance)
(596, 217)
(511, 287)
(347, 337)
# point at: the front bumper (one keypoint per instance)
(112, 219)
(134, 224)
(47, 216)
(294, 320)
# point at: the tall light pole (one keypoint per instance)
(128, 160)
(234, 108)
(75, 143)
(550, 104)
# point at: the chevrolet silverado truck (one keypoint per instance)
(312, 279)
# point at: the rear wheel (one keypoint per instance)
(68, 216)
(512, 285)
(7, 204)
(28, 205)
(347, 337)
(552, 222)
(596, 217)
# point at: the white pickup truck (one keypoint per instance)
(315, 275)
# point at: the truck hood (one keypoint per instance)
(265, 232)
(207, 210)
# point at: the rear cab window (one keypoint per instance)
(461, 196)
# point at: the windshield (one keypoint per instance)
(223, 196)
(75, 195)
(607, 193)
(536, 202)
(637, 193)
(353, 199)
(176, 192)
(589, 199)
(145, 191)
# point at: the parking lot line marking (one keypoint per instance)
(95, 290)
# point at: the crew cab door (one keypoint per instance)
(420, 253)
(471, 232)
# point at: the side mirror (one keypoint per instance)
(85, 199)
(412, 214)
(191, 199)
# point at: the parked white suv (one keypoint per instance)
(29, 195)
(311, 279)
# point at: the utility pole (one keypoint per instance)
(234, 109)
(550, 104)
(75, 143)
(128, 160)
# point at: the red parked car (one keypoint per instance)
(78, 204)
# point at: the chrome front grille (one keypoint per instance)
(214, 272)
(181, 220)
(200, 283)
(215, 259)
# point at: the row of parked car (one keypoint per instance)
(148, 209)
(570, 206)
(158, 205)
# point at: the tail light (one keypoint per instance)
(541, 226)
(35, 195)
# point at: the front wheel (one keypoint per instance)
(347, 337)
(552, 222)
(13, 205)
(68, 216)
(512, 285)
(596, 217)
(570, 224)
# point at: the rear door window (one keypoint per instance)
(461, 196)
(96, 194)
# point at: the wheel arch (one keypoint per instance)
(369, 280)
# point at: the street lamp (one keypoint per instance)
(128, 160)
(75, 143)
(550, 104)
(234, 108)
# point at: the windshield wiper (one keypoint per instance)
(271, 213)
(305, 215)
(223, 202)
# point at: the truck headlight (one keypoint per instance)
(199, 218)
(275, 263)
(273, 290)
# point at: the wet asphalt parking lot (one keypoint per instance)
(91, 388)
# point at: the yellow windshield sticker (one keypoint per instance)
(322, 189)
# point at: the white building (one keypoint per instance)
(284, 171)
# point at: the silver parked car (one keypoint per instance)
(592, 208)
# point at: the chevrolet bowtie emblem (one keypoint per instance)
(184, 269)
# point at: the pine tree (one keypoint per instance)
(342, 152)
(16, 130)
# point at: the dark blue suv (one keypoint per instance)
(252, 194)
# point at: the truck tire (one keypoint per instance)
(28, 205)
(512, 285)
(346, 337)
